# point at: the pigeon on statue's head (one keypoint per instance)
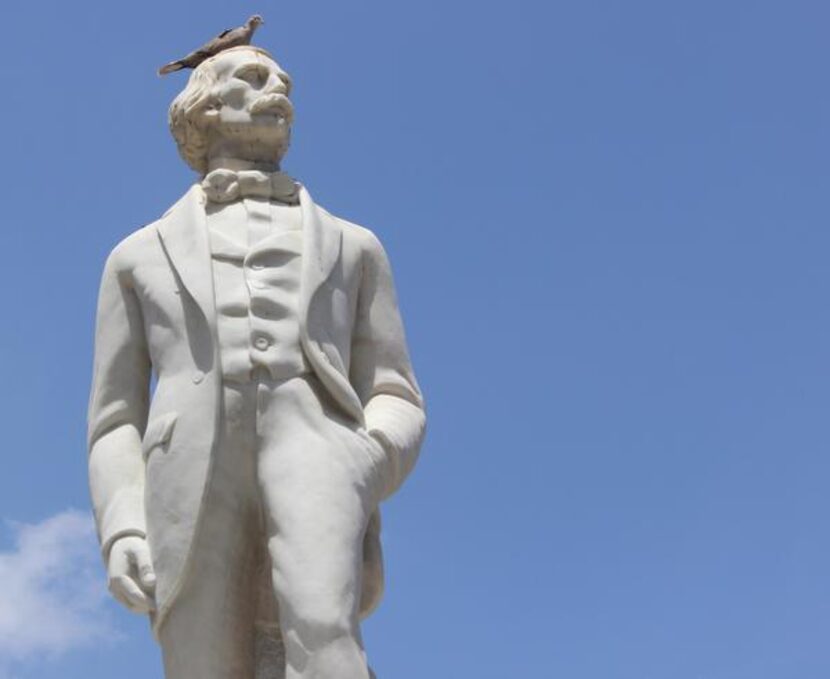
(231, 37)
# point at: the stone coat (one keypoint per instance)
(150, 455)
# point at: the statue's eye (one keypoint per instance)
(254, 74)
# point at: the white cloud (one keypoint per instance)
(52, 590)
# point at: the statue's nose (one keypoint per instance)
(276, 86)
(284, 81)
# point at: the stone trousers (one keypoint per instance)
(273, 588)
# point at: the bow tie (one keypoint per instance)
(226, 186)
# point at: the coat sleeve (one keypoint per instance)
(381, 372)
(118, 408)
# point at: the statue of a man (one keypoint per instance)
(237, 501)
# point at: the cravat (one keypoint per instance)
(226, 186)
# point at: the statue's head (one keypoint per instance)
(235, 103)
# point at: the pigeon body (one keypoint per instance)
(231, 37)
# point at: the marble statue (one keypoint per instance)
(252, 402)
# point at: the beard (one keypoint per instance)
(261, 132)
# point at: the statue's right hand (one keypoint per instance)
(130, 572)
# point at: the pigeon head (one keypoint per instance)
(255, 21)
(235, 105)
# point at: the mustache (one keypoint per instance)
(274, 104)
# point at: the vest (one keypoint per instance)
(257, 291)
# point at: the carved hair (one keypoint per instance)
(186, 117)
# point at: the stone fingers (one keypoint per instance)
(130, 573)
(124, 588)
(144, 567)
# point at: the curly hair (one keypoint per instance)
(185, 115)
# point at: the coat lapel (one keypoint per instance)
(321, 249)
(183, 231)
(322, 240)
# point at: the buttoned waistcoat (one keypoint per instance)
(256, 291)
(150, 455)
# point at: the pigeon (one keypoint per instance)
(232, 37)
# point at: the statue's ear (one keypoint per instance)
(211, 110)
(211, 113)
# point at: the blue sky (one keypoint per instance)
(608, 224)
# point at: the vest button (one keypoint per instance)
(198, 376)
(261, 343)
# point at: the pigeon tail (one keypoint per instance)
(172, 66)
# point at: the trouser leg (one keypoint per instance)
(210, 631)
(317, 496)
